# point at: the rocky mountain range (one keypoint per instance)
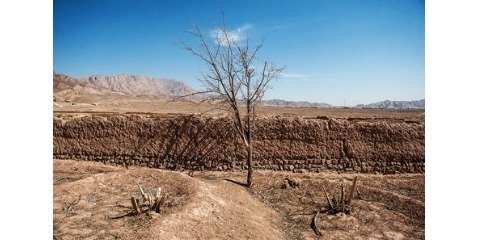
(120, 84)
(387, 104)
(284, 103)
(70, 88)
(140, 85)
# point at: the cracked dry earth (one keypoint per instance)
(92, 201)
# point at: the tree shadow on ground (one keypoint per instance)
(236, 182)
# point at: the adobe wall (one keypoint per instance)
(195, 143)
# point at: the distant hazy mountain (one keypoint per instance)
(419, 104)
(284, 103)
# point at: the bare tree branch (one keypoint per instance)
(231, 76)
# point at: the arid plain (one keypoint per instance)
(93, 184)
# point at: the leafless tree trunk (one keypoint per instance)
(236, 77)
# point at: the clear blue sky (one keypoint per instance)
(335, 51)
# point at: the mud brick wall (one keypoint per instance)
(195, 143)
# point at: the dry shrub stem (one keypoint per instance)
(148, 203)
(314, 225)
(342, 205)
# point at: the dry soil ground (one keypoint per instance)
(84, 105)
(92, 201)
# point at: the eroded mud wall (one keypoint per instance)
(189, 142)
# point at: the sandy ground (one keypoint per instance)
(85, 104)
(91, 201)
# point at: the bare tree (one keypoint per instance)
(236, 76)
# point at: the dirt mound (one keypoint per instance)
(92, 201)
(216, 213)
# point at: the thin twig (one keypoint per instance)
(314, 225)
(134, 203)
(359, 193)
(327, 197)
(351, 191)
(145, 198)
(72, 204)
